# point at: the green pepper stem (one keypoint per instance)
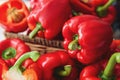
(35, 30)
(34, 55)
(107, 74)
(101, 10)
(73, 45)
(9, 53)
(66, 71)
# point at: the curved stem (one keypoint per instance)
(36, 29)
(73, 45)
(34, 55)
(101, 10)
(9, 53)
(115, 58)
(66, 71)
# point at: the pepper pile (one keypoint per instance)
(90, 50)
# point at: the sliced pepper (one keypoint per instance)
(87, 38)
(48, 18)
(14, 16)
(12, 49)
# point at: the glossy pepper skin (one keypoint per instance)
(98, 72)
(87, 38)
(3, 67)
(33, 72)
(12, 49)
(100, 8)
(115, 46)
(47, 17)
(57, 65)
(14, 16)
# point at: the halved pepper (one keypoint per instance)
(13, 17)
(47, 17)
(12, 49)
(58, 66)
(98, 72)
(87, 38)
(100, 8)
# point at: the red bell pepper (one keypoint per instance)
(48, 18)
(3, 67)
(97, 71)
(33, 72)
(14, 16)
(87, 38)
(12, 49)
(57, 66)
(101, 8)
(115, 46)
(15, 72)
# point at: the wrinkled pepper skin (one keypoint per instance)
(53, 61)
(103, 70)
(14, 16)
(12, 49)
(94, 38)
(51, 14)
(106, 13)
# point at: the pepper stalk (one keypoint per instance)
(108, 71)
(102, 10)
(14, 73)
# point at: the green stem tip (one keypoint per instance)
(9, 53)
(73, 45)
(34, 55)
(35, 30)
(108, 72)
(102, 10)
(66, 71)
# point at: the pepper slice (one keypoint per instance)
(14, 16)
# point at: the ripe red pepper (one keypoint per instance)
(12, 49)
(115, 46)
(3, 68)
(101, 8)
(97, 71)
(87, 38)
(47, 17)
(14, 16)
(33, 72)
(15, 72)
(57, 66)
